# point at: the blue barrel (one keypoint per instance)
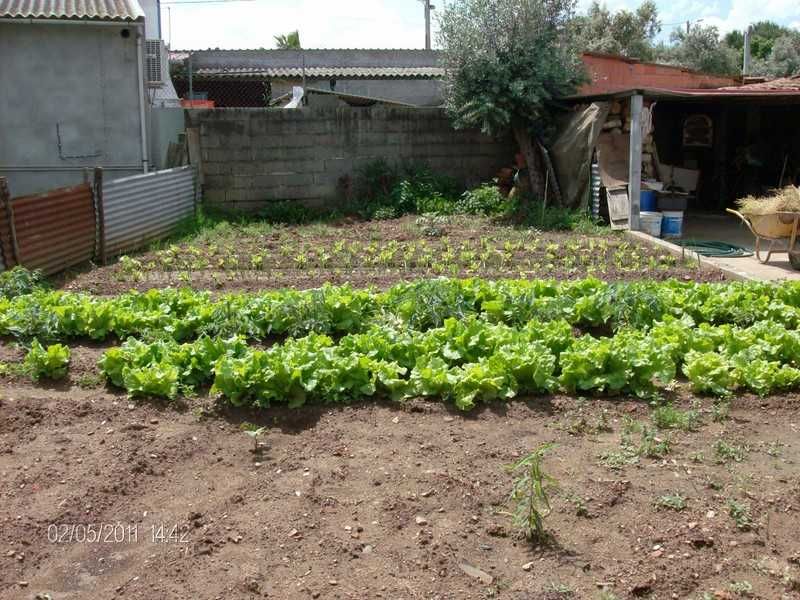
(672, 224)
(647, 201)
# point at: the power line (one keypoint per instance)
(179, 2)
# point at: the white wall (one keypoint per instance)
(83, 78)
(152, 18)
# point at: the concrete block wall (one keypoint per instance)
(255, 156)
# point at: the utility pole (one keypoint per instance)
(746, 60)
(689, 25)
(428, 8)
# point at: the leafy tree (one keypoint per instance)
(623, 32)
(784, 58)
(700, 49)
(290, 41)
(763, 36)
(506, 64)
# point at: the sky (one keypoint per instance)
(398, 23)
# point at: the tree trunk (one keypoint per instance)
(531, 154)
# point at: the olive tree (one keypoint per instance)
(507, 62)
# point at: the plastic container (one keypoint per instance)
(650, 222)
(672, 224)
(671, 202)
(647, 201)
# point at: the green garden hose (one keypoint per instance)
(714, 249)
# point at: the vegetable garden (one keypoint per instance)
(464, 340)
(296, 370)
(258, 255)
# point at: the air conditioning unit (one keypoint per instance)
(153, 63)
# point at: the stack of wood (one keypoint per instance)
(618, 119)
(618, 122)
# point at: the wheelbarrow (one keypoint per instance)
(778, 230)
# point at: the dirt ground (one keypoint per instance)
(383, 500)
(380, 253)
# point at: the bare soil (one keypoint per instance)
(382, 500)
(381, 253)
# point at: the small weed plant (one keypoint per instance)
(674, 502)
(669, 417)
(726, 452)
(529, 502)
(740, 513)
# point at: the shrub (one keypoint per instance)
(383, 192)
(487, 199)
(384, 212)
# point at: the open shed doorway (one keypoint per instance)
(739, 148)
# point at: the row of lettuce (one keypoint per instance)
(464, 361)
(467, 341)
(183, 315)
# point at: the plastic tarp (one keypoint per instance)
(572, 151)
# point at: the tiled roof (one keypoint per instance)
(79, 10)
(784, 84)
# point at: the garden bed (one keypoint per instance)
(262, 256)
(298, 476)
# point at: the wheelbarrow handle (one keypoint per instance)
(744, 219)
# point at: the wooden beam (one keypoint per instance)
(635, 161)
(99, 206)
(5, 198)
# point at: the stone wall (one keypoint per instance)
(254, 156)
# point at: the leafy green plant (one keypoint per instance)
(255, 434)
(669, 417)
(432, 224)
(487, 199)
(674, 502)
(19, 281)
(529, 501)
(726, 452)
(741, 588)
(50, 363)
(740, 513)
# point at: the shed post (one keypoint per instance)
(5, 198)
(100, 213)
(635, 161)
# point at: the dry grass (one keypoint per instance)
(787, 199)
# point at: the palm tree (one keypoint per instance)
(290, 41)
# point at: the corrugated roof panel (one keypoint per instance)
(323, 72)
(78, 10)
(318, 63)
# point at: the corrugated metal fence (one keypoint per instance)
(70, 226)
(143, 208)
